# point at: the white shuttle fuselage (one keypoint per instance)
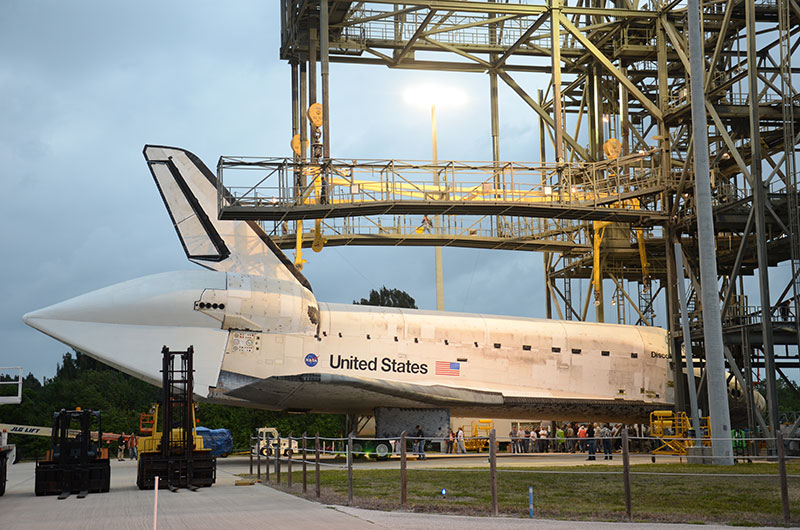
(261, 338)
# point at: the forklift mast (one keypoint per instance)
(174, 452)
(177, 403)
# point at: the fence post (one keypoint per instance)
(350, 469)
(493, 470)
(277, 452)
(305, 458)
(403, 482)
(289, 464)
(258, 463)
(782, 473)
(530, 502)
(316, 463)
(626, 473)
(266, 470)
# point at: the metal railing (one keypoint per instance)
(16, 380)
(275, 183)
(351, 447)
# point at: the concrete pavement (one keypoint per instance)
(225, 505)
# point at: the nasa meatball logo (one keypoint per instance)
(311, 360)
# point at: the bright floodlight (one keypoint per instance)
(434, 95)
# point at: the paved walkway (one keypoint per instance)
(223, 506)
(422, 521)
(226, 506)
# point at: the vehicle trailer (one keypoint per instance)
(8, 451)
(7, 454)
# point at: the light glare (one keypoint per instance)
(427, 95)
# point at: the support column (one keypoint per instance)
(437, 220)
(623, 116)
(759, 204)
(694, 413)
(595, 115)
(296, 120)
(722, 446)
(555, 31)
(302, 115)
(663, 103)
(548, 301)
(325, 59)
(673, 277)
(312, 88)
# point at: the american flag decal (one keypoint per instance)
(448, 368)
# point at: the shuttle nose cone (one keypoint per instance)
(30, 318)
(126, 325)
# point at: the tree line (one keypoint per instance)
(81, 381)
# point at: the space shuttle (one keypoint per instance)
(262, 339)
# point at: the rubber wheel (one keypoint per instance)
(382, 450)
(358, 449)
(265, 451)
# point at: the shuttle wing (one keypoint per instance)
(338, 394)
(189, 191)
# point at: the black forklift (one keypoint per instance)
(75, 463)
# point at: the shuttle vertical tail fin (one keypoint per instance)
(189, 191)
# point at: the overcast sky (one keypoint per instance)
(85, 85)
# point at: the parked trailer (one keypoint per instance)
(8, 451)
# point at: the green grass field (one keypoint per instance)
(568, 493)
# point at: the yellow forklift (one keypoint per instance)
(174, 451)
(76, 462)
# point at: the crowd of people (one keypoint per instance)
(126, 444)
(568, 438)
(589, 438)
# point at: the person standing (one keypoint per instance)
(418, 447)
(561, 445)
(582, 438)
(514, 442)
(121, 447)
(426, 224)
(570, 438)
(542, 439)
(460, 449)
(451, 439)
(420, 443)
(605, 438)
(591, 441)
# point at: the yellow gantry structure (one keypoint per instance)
(482, 204)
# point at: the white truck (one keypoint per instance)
(267, 442)
(8, 451)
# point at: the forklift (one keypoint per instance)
(174, 452)
(75, 463)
